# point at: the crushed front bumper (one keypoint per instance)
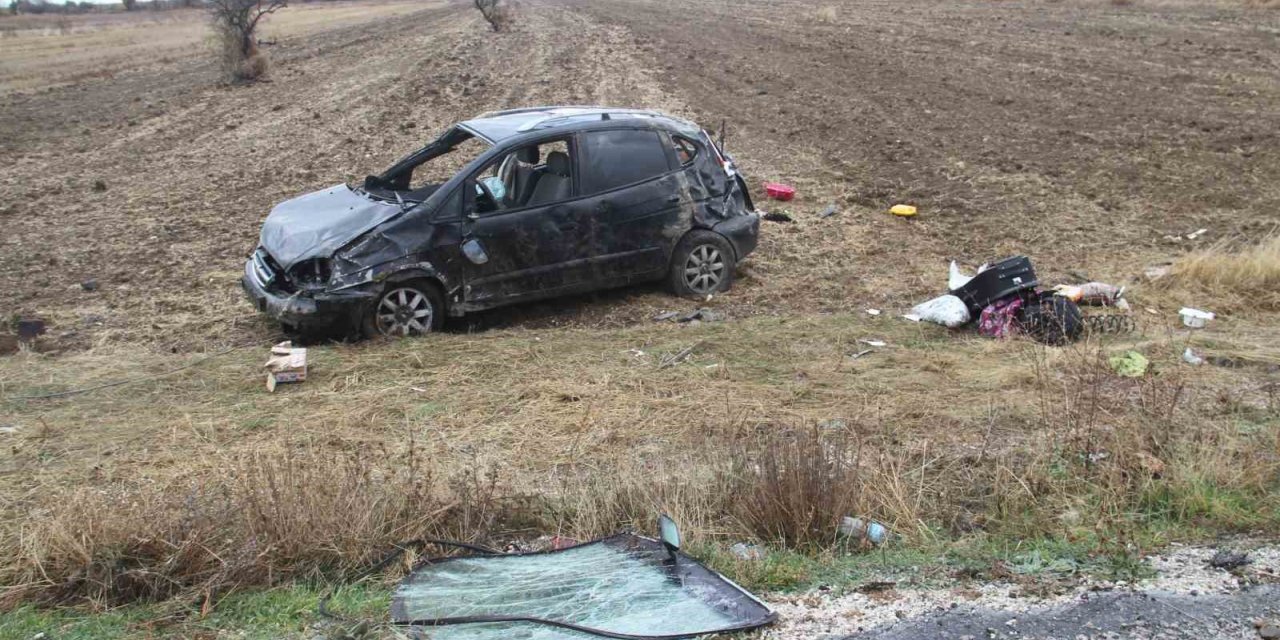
(308, 312)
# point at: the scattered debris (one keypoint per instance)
(287, 364)
(1111, 323)
(779, 191)
(912, 317)
(860, 354)
(29, 330)
(744, 551)
(831, 210)
(636, 352)
(1003, 279)
(665, 315)
(956, 279)
(873, 312)
(99, 186)
(701, 313)
(1000, 318)
(680, 356)
(1195, 318)
(1196, 234)
(873, 343)
(1094, 293)
(1269, 630)
(1227, 559)
(903, 210)
(1129, 364)
(947, 310)
(777, 216)
(8, 429)
(1190, 357)
(1157, 272)
(89, 285)
(868, 530)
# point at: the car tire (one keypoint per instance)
(702, 264)
(409, 308)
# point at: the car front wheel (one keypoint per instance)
(702, 264)
(406, 309)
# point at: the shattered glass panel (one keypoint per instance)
(622, 584)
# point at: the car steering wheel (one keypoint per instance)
(483, 192)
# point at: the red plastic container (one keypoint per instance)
(779, 191)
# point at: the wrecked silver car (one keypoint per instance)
(555, 201)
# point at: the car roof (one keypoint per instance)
(497, 126)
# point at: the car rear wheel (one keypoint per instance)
(702, 264)
(406, 309)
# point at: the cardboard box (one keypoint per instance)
(287, 364)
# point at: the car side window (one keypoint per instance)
(686, 149)
(620, 157)
(529, 176)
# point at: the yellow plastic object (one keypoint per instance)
(904, 210)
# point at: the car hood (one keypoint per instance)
(320, 222)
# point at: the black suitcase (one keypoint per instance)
(1000, 280)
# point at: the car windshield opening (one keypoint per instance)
(414, 178)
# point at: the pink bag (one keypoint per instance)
(998, 319)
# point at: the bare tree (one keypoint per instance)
(494, 13)
(235, 22)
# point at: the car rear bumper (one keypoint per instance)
(742, 231)
(305, 312)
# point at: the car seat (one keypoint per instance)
(554, 184)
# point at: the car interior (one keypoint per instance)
(529, 176)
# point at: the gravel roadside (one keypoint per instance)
(1187, 598)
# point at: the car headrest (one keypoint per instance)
(558, 163)
(528, 155)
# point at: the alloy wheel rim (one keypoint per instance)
(404, 312)
(704, 269)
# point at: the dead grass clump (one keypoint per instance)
(1248, 277)
(260, 519)
(796, 485)
(826, 14)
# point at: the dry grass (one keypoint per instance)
(1247, 277)
(826, 14)
(256, 520)
(238, 488)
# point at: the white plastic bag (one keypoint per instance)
(955, 279)
(948, 311)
